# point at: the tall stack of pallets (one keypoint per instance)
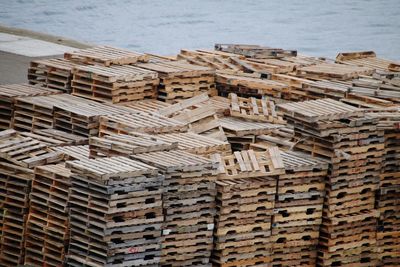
(246, 189)
(354, 148)
(116, 213)
(298, 210)
(387, 202)
(189, 206)
(47, 227)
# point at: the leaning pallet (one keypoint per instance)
(53, 137)
(8, 94)
(189, 206)
(181, 80)
(254, 109)
(140, 122)
(55, 73)
(47, 226)
(106, 56)
(354, 147)
(115, 213)
(15, 184)
(298, 210)
(246, 189)
(115, 83)
(126, 145)
(200, 119)
(26, 151)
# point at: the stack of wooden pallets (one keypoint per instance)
(298, 210)
(246, 189)
(115, 83)
(47, 227)
(367, 59)
(200, 119)
(55, 73)
(255, 51)
(181, 80)
(189, 206)
(8, 94)
(354, 148)
(116, 213)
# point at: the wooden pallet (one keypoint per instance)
(180, 80)
(55, 73)
(106, 55)
(15, 184)
(197, 144)
(317, 110)
(114, 84)
(240, 128)
(25, 151)
(249, 164)
(47, 227)
(74, 152)
(146, 105)
(53, 137)
(201, 119)
(255, 51)
(126, 145)
(367, 59)
(8, 94)
(254, 109)
(140, 122)
(332, 71)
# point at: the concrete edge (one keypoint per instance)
(44, 37)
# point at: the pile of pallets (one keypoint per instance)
(115, 83)
(55, 73)
(298, 210)
(354, 148)
(47, 227)
(8, 94)
(181, 80)
(189, 206)
(116, 213)
(246, 189)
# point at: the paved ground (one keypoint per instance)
(18, 47)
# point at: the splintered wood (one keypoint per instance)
(180, 80)
(105, 55)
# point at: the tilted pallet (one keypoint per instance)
(181, 80)
(115, 83)
(200, 119)
(367, 59)
(145, 105)
(55, 73)
(47, 227)
(140, 122)
(197, 144)
(247, 163)
(53, 137)
(322, 109)
(80, 152)
(239, 128)
(106, 55)
(8, 94)
(25, 151)
(126, 145)
(254, 109)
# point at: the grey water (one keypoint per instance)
(313, 27)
